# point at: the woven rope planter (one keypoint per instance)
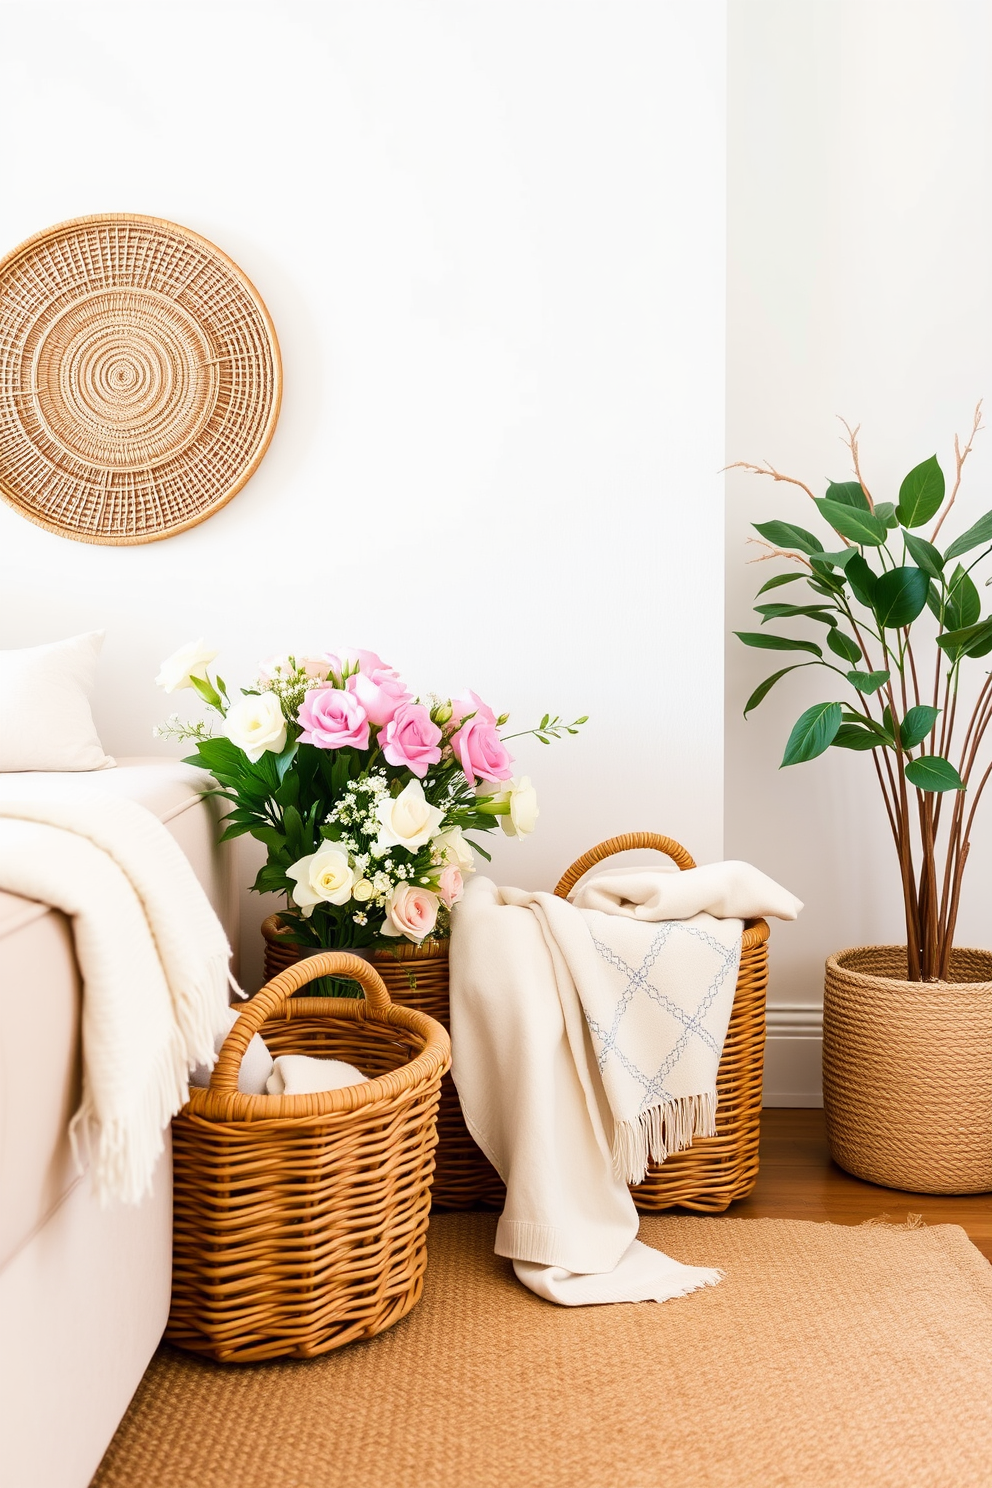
(907, 1071)
(707, 1176)
(139, 379)
(300, 1221)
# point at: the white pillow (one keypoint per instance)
(45, 718)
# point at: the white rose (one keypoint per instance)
(408, 821)
(362, 891)
(324, 877)
(523, 808)
(452, 848)
(256, 724)
(189, 661)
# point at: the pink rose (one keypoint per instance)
(481, 752)
(314, 666)
(450, 886)
(470, 702)
(411, 912)
(380, 694)
(412, 739)
(367, 661)
(333, 719)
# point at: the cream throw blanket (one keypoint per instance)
(585, 1037)
(152, 953)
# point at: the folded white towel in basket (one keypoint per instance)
(299, 1074)
(256, 1066)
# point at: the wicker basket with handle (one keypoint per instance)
(300, 1221)
(714, 1171)
(417, 977)
(707, 1176)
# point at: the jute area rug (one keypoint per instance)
(828, 1355)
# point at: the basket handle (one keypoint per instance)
(276, 994)
(626, 843)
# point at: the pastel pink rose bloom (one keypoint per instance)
(450, 886)
(367, 661)
(470, 702)
(333, 719)
(481, 752)
(314, 666)
(411, 912)
(379, 694)
(412, 739)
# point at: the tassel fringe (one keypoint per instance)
(657, 1133)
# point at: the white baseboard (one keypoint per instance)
(792, 1055)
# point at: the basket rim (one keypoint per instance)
(835, 963)
(225, 1107)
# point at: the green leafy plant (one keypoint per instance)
(886, 597)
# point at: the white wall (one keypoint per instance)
(491, 238)
(860, 223)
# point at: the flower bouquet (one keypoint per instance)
(362, 793)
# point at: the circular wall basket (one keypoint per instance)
(139, 379)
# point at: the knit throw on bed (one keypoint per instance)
(152, 954)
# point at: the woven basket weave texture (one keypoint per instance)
(417, 977)
(708, 1176)
(300, 1221)
(139, 379)
(907, 1071)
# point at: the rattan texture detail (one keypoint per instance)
(417, 977)
(139, 379)
(300, 1222)
(714, 1171)
(907, 1071)
(706, 1177)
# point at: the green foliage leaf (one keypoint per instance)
(900, 595)
(852, 736)
(842, 645)
(814, 731)
(823, 613)
(856, 525)
(868, 682)
(916, 725)
(764, 642)
(973, 640)
(931, 773)
(921, 493)
(862, 580)
(848, 493)
(924, 555)
(787, 535)
(764, 688)
(963, 605)
(975, 536)
(886, 512)
(880, 732)
(779, 579)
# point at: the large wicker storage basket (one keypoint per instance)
(300, 1221)
(714, 1171)
(709, 1175)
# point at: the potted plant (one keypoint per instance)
(907, 1030)
(363, 795)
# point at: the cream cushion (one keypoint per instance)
(45, 718)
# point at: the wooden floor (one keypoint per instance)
(798, 1181)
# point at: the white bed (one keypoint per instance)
(84, 1292)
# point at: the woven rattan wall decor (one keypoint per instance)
(139, 379)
